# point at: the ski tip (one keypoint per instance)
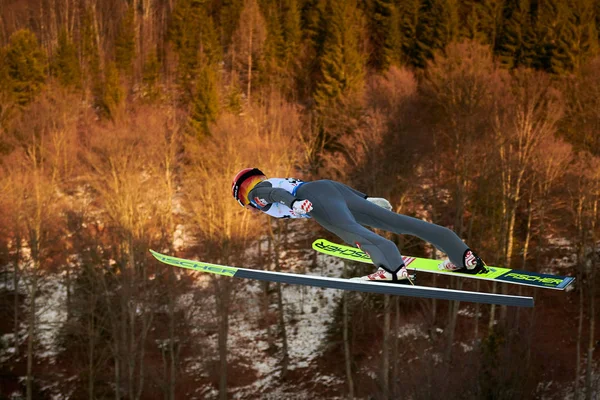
(154, 253)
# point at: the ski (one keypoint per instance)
(497, 274)
(346, 284)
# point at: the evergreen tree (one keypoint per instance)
(516, 44)
(384, 37)
(437, 26)
(195, 41)
(292, 32)
(342, 64)
(125, 42)
(474, 16)
(150, 76)
(229, 19)
(25, 66)
(575, 39)
(90, 55)
(275, 42)
(489, 19)
(596, 13)
(314, 14)
(408, 21)
(65, 64)
(233, 100)
(395, 39)
(110, 93)
(205, 104)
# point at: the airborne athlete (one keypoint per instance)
(345, 212)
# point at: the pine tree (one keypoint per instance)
(274, 43)
(233, 100)
(395, 39)
(383, 35)
(489, 17)
(408, 22)
(229, 19)
(342, 64)
(194, 39)
(292, 31)
(437, 26)
(517, 40)
(110, 92)
(151, 76)
(567, 34)
(26, 66)
(125, 42)
(474, 18)
(314, 14)
(205, 104)
(597, 16)
(65, 64)
(586, 40)
(90, 55)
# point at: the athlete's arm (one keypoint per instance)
(264, 191)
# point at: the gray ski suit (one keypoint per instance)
(343, 211)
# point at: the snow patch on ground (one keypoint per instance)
(51, 316)
(412, 330)
(307, 313)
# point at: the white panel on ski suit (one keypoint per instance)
(279, 210)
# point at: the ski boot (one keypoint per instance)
(472, 264)
(400, 276)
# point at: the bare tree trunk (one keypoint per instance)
(396, 349)
(267, 300)
(385, 348)
(117, 378)
(580, 273)
(250, 55)
(68, 289)
(477, 310)
(347, 353)
(172, 372)
(281, 317)
(509, 252)
(589, 389)
(130, 325)
(578, 342)
(434, 301)
(526, 244)
(31, 328)
(452, 318)
(285, 357)
(16, 277)
(224, 296)
(91, 351)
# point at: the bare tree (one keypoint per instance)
(121, 171)
(462, 86)
(346, 338)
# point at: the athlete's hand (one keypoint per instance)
(302, 207)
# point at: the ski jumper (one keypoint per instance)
(343, 211)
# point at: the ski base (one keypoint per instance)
(347, 284)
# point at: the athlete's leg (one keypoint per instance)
(331, 212)
(367, 213)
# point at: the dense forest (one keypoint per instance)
(122, 123)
